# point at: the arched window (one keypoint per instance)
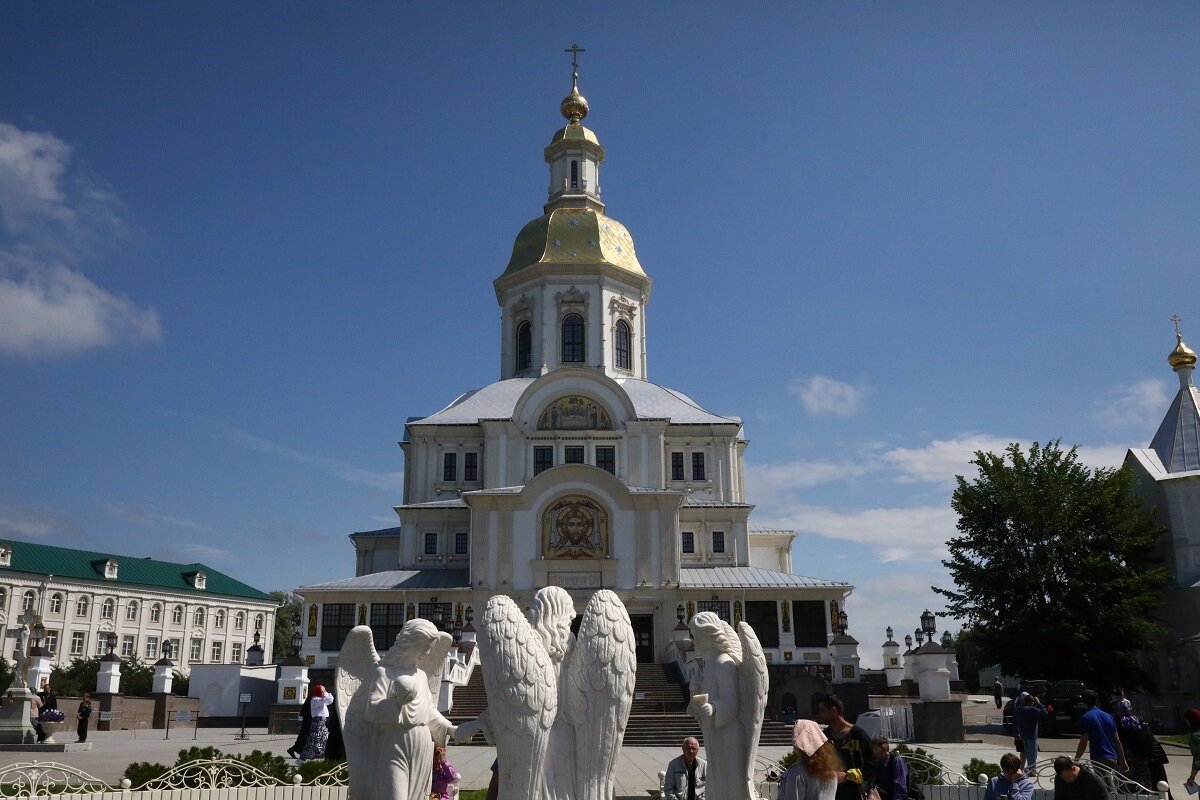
(624, 348)
(198, 618)
(524, 346)
(574, 174)
(106, 610)
(81, 606)
(56, 601)
(177, 615)
(27, 601)
(239, 621)
(259, 621)
(131, 610)
(156, 613)
(219, 619)
(573, 351)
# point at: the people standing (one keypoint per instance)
(305, 727)
(853, 745)
(84, 714)
(35, 711)
(1011, 782)
(891, 773)
(1028, 713)
(444, 774)
(686, 773)
(998, 692)
(814, 775)
(1098, 729)
(49, 698)
(318, 734)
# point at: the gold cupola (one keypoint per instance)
(1182, 355)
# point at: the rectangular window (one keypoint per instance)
(440, 614)
(606, 459)
(718, 539)
(52, 641)
(386, 621)
(152, 648)
(808, 623)
(336, 621)
(176, 648)
(218, 652)
(462, 542)
(470, 467)
(431, 544)
(719, 607)
(449, 467)
(763, 616)
(196, 651)
(235, 653)
(543, 459)
(101, 645)
(573, 454)
(676, 466)
(78, 642)
(687, 542)
(697, 466)
(127, 646)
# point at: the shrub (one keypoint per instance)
(311, 769)
(977, 766)
(924, 768)
(141, 772)
(277, 767)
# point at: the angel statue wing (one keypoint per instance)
(357, 664)
(752, 694)
(522, 695)
(433, 664)
(600, 672)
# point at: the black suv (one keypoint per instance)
(1063, 701)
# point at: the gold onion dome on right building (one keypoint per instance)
(1182, 355)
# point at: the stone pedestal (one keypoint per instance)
(938, 721)
(14, 718)
(108, 680)
(164, 676)
(39, 668)
(292, 687)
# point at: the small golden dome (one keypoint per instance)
(1182, 355)
(574, 106)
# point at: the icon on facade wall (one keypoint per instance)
(289, 693)
(833, 615)
(847, 672)
(312, 620)
(574, 527)
(574, 413)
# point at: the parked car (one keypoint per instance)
(1063, 701)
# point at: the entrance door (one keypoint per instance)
(643, 637)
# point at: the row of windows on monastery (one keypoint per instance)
(435, 547)
(127, 647)
(132, 610)
(598, 455)
(573, 343)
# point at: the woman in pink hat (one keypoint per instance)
(814, 775)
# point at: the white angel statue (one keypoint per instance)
(557, 704)
(388, 710)
(728, 700)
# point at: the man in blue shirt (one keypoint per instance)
(1097, 728)
(1010, 782)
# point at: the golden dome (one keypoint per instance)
(1182, 355)
(574, 106)
(574, 132)
(574, 236)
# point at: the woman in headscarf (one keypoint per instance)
(814, 775)
(318, 734)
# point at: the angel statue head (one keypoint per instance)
(412, 642)
(715, 637)
(552, 614)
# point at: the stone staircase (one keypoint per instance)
(657, 718)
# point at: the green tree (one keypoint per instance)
(287, 622)
(966, 652)
(1052, 568)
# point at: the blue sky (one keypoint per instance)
(241, 243)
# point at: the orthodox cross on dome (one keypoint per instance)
(1176, 319)
(575, 50)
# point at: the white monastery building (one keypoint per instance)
(575, 469)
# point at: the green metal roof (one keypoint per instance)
(87, 565)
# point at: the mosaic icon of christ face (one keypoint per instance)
(575, 527)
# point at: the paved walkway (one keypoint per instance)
(112, 751)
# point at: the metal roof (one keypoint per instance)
(749, 578)
(88, 565)
(381, 532)
(1177, 442)
(400, 579)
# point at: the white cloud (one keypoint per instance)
(824, 396)
(1138, 406)
(192, 552)
(148, 518)
(942, 459)
(53, 217)
(895, 599)
(773, 480)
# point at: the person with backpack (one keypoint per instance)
(853, 744)
(891, 771)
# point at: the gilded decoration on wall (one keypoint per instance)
(312, 620)
(574, 413)
(833, 615)
(574, 527)
(362, 614)
(785, 607)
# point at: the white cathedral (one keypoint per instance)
(575, 470)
